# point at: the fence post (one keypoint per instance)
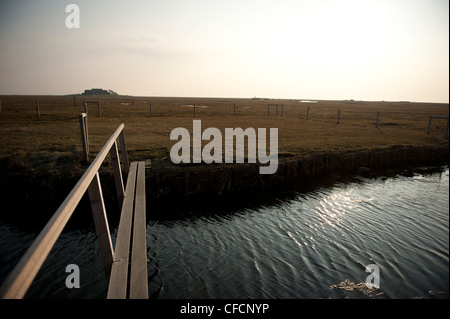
(429, 125)
(37, 109)
(378, 116)
(99, 109)
(339, 116)
(446, 129)
(84, 136)
(101, 224)
(150, 108)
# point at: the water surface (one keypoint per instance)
(296, 245)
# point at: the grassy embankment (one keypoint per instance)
(41, 156)
(52, 141)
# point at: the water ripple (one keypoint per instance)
(295, 247)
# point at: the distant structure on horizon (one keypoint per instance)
(99, 92)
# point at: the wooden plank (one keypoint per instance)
(119, 273)
(17, 283)
(101, 224)
(117, 172)
(139, 276)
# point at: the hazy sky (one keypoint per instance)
(311, 49)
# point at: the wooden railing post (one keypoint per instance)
(114, 153)
(101, 224)
(84, 136)
(19, 280)
(87, 133)
(123, 149)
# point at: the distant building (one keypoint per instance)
(98, 92)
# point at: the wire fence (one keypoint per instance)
(373, 114)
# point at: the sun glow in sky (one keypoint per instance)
(310, 49)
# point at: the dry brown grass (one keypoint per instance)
(55, 135)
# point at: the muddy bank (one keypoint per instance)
(37, 193)
(186, 181)
(31, 195)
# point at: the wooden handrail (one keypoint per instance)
(21, 277)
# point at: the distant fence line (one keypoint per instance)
(277, 105)
(99, 108)
(437, 117)
(215, 109)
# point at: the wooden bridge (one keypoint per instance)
(126, 266)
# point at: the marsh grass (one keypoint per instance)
(53, 138)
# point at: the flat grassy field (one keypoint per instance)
(52, 139)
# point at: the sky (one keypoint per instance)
(392, 50)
